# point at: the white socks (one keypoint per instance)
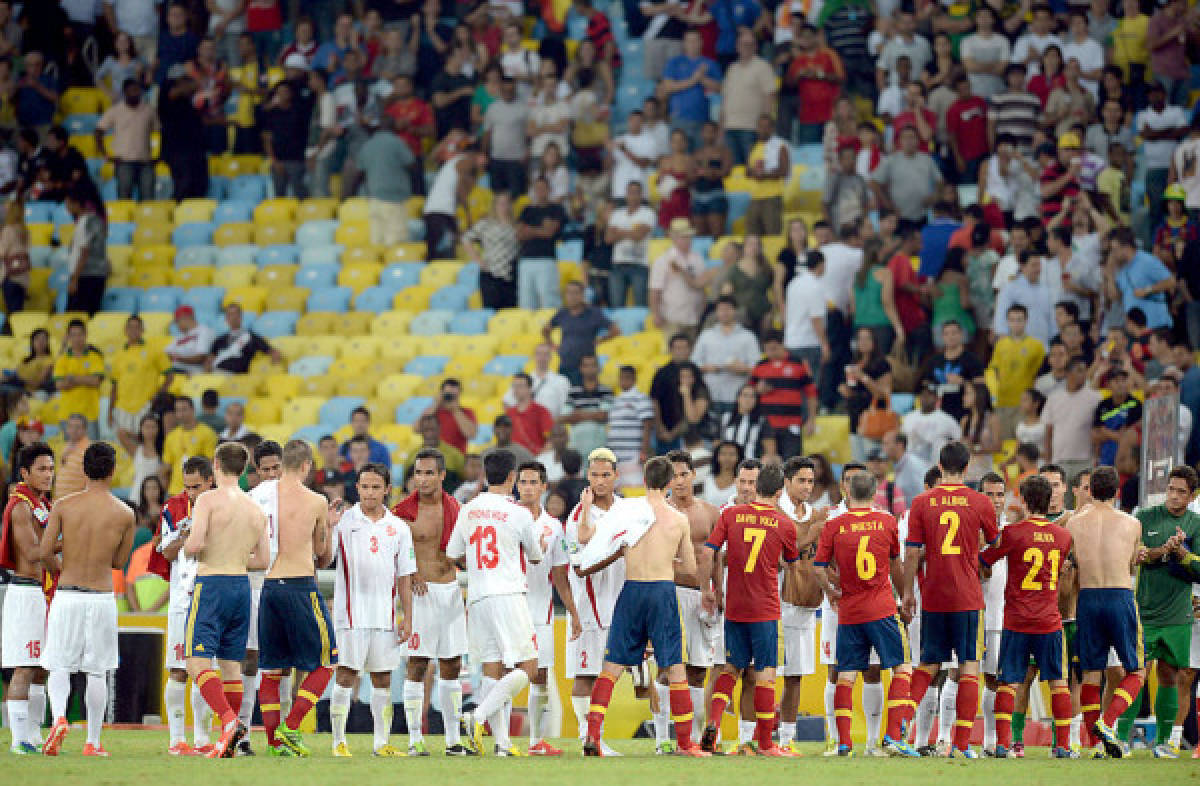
(581, 705)
(249, 695)
(926, 712)
(339, 711)
(989, 719)
(381, 715)
(201, 718)
(18, 720)
(537, 703)
(831, 732)
(872, 700)
(787, 733)
(699, 710)
(949, 711)
(37, 713)
(1176, 735)
(285, 694)
(745, 731)
(1077, 721)
(492, 706)
(414, 700)
(174, 701)
(96, 701)
(58, 685)
(450, 695)
(662, 718)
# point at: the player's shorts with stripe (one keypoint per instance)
(256, 584)
(22, 625)
(1194, 659)
(829, 626)
(218, 620)
(1106, 618)
(439, 623)
(81, 632)
(543, 639)
(990, 663)
(698, 628)
(1172, 644)
(499, 630)
(883, 636)
(370, 650)
(946, 634)
(754, 643)
(1046, 650)
(294, 629)
(585, 654)
(799, 640)
(175, 655)
(913, 629)
(646, 612)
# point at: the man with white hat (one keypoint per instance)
(677, 281)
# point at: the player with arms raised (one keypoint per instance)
(947, 524)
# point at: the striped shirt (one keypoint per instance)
(630, 410)
(499, 243)
(1017, 114)
(791, 386)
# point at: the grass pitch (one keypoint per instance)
(139, 758)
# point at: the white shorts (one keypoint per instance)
(368, 650)
(1114, 660)
(256, 586)
(991, 652)
(500, 630)
(22, 626)
(81, 632)
(718, 640)
(176, 624)
(440, 623)
(585, 654)
(799, 640)
(543, 638)
(1194, 661)
(698, 628)
(126, 421)
(829, 626)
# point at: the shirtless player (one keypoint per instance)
(647, 610)
(229, 535)
(268, 462)
(1107, 543)
(94, 531)
(439, 624)
(24, 615)
(294, 628)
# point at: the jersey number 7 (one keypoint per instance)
(486, 554)
(755, 537)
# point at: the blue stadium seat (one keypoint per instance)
(121, 299)
(120, 233)
(430, 323)
(410, 410)
(108, 190)
(316, 233)
(321, 255)
(58, 280)
(739, 203)
(427, 365)
(164, 188)
(234, 212)
(273, 324)
(812, 156)
(630, 320)
(198, 233)
(702, 245)
(316, 276)
(61, 215)
(237, 255)
(95, 165)
(336, 299)
(39, 212)
(416, 230)
(336, 411)
(81, 124)
(227, 400)
(311, 366)
(164, 299)
(570, 250)
(250, 188)
(284, 254)
(40, 256)
(471, 323)
(401, 275)
(505, 365)
(197, 256)
(218, 187)
(376, 299)
(483, 434)
(469, 276)
(311, 434)
(902, 403)
(452, 298)
(206, 300)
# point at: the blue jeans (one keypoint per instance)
(740, 144)
(690, 129)
(537, 283)
(1177, 90)
(625, 278)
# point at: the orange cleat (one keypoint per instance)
(95, 750)
(202, 750)
(745, 749)
(1196, 752)
(231, 735)
(692, 750)
(181, 749)
(778, 752)
(54, 741)
(544, 748)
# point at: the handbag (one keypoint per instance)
(878, 420)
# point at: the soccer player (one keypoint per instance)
(647, 610)
(229, 536)
(23, 619)
(94, 532)
(996, 490)
(375, 568)
(493, 539)
(439, 626)
(268, 460)
(927, 710)
(863, 547)
(1035, 550)
(946, 524)
(175, 525)
(294, 629)
(544, 577)
(1107, 546)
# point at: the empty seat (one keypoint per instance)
(337, 409)
(320, 255)
(400, 275)
(194, 234)
(120, 233)
(359, 276)
(203, 299)
(196, 256)
(330, 299)
(310, 434)
(453, 298)
(190, 210)
(410, 410)
(505, 365)
(273, 234)
(273, 324)
(232, 234)
(282, 298)
(315, 323)
(192, 276)
(630, 320)
(316, 209)
(250, 298)
(350, 324)
(391, 323)
(426, 365)
(233, 211)
(415, 299)
(164, 299)
(471, 322)
(248, 188)
(241, 254)
(375, 299)
(316, 233)
(237, 275)
(317, 277)
(430, 323)
(276, 276)
(121, 299)
(310, 365)
(353, 234)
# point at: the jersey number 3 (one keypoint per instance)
(487, 556)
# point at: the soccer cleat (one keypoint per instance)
(694, 751)
(180, 749)
(1196, 752)
(543, 748)
(418, 749)
(831, 748)
(875, 753)
(280, 751)
(591, 748)
(471, 731)
(513, 752)
(291, 740)
(95, 750)
(845, 751)
(388, 752)
(458, 749)
(1063, 753)
(58, 733)
(793, 747)
(1166, 750)
(1018, 750)
(664, 749)
(609, 752)
(1108, 738)
(1098, 751)
(745, 749)
(231, 735)
(708, 739)
(945, 750)
(342, 751)
(24, 749)
(778, 752)
(963, 753)
(202, 750)
(1002, 752)
(927, 751)
(899, 748)
(243, 747)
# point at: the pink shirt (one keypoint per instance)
(682, 303)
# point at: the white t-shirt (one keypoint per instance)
(993, 596)
(928, 433)
(549, 389)
(625, 171)
(1187, 168)
(236, 25)
(805, 301)
(140, 17)
(1032, 42)
(523, 66)
(266, 496)
(183, 568)
(443, 194)
(841, 264)
(1091, 58)
(371, 555)
(197, 341)
(598, 592)
(629, 251)
(490, 533)
(1158, 152)
(541, 589)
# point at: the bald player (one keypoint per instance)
(94, 532)
(1107, 546)
(294, 628)
(229, 535)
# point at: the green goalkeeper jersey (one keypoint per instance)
(1164, 587)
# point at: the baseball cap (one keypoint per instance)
(1069, 140)
(185, 311)
(297, 61)
(325, 477)
(1175, 191)
(681, 226)
(31, 424)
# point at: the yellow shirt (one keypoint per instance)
(79, 400)
(1129, 43)
(765, 189)
(137, 372)
(1016, 362)
(181, 444)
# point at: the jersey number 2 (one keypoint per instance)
(755, 537)
(1035, 558)
(950, 520)
(486, 554)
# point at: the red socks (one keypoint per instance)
(1060, 707)
(601, 696)
(1006, 701)
(233, 694)
(309, 694)
(1123, 697)
(897, 703)
(967, 706)
(920, 683)
(764, 713)
(721, 697)
(209, 683)
(843, 710)
(681, 713)
(268, 703)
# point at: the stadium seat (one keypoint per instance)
(190, 210)
(471, 323)
(407, 252)
(391, 323)
(631, 319)
(510, 321)
(362, 254)
(397, 387)
(260, 411)
(276, 210)
(468, 276)
(248, 188)
(440, 273)
(351, 324)
(430, 323)
(400, 275)
(336, 411)
(164, 299)
(452, 298)
(426, 365)
(192, 276)
(282, 386)
(410, 410)
(352, 234)
(121, 233)
(310, 434)
(284, 298)
(274, 234)
(321, 386)
(330, 299)
(233, 234)
(205, 300)
(145, 278)
(250, 298)
(481, 385)
(902, 403)
(316, 233)
(197, 234)
(218, 187)
(320, 255)
(241, 254)
(321, 345)
(236, 275)
(359, 276)
(353, 209)
(311, 365)
(415, 299)
(121, 299)
(195, 256)
(152, 235)
(316, 209)
(233, 211)
(276, 276)
(273, 324)
(505, 365)
(315, 323)
(374, 299)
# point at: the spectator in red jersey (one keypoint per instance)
(787, 395)
(414, 123)
(599, 32)
(1060, 175)
(966, 124)
(972, 216)
(458, 423)
(816, 71)
(531, 421)
(917, 116)
(910, 293)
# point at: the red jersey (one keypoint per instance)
(909, 120)
(817, 96)
(861, 544)
(531, 427)
(948, 521)
(418, 114)
(966, 120)
(176, 515)
(1036, 549)
(40, 505)
(755, 537)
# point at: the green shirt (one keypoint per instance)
(1164, 590)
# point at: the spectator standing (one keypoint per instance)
(630, 420)
(538, 230)
(581, 325)
(226, 23)
(131, 122)
(1069, 414)
(549, 388)
(1185, 168)
(677, 296)
(137, 374)
(908, 469)
(985, 55)
(769, 169)
(726, 353)
(492, 244)
(634, 154)
(458, 422)
(1015, 362)
(15, 244)
(189, 438)
(136, 18)
(1015, 111)
(504, 132)
(907, 181)
(451, 95)
(360, 428)
(413, 117)
(747, 427)
(1060, 177)
(531, 422)
(1117, 418)
(966, 129)
(909, 294)
(952, 370)
(1029, 292)
(787, 395)
(1160, 126)
(816, 72)
(747, 93)
(868, 384)
(587, 408)
(283, 145)
(449, 191)
(549, 120)
(663, 37)
(386, 160)
(188, 351)
(176, 44)
(87, 257)
(905, 43)
(68, 475)
(183, 146)
(928, 427)
(1137, 279)
(37, 94)
(78, 373)
(629, 227)
(233, 422)
(234, 351)
(1172, 29)
(804, 315)
(688, 79)
(124, 63)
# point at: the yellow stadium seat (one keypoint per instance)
(196, 384)
(359, 276)
(405, 252)
(484, 345)
(439, 274)
(415, 299)
(355, 386)
(355, 233)
(315, 323)
(157, 323)
(353, 364)
(150, 277)
(518, 344)
(319, 209)
(192, 277)
(85, 144)
(233, 234)
(402, 350)
(321, 386)
(276, 276)
(107, 324)
(244, 385)
(156, 256)
(489, 411)
(282, 386)
(250, 298)
(120, 257)
(772, 245)
(481, 385)
(362, 254)
(41, 234)
(279, 432)
(832, 438)
(656, 247)
(391, 323)
(415, 205)
(352, 323)
(283, 298)
(321, 345)
(279, 210)
(261, 411)
(57, 324)
(120, 210)
(397, 387)
(65, 233)
(245, 164)
(301, 410)
(381, 411)
(354, 209)
(401, 434)
(160, 212)
(273, 234)
(465, 366)
(510, 321)
(237, 275)
(192, 210)
(82, 101)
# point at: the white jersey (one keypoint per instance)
(266, 496)
(183, 568)
(541, 589)
(490, 534)
(993, 596)
(371, 555)
(598, 591)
